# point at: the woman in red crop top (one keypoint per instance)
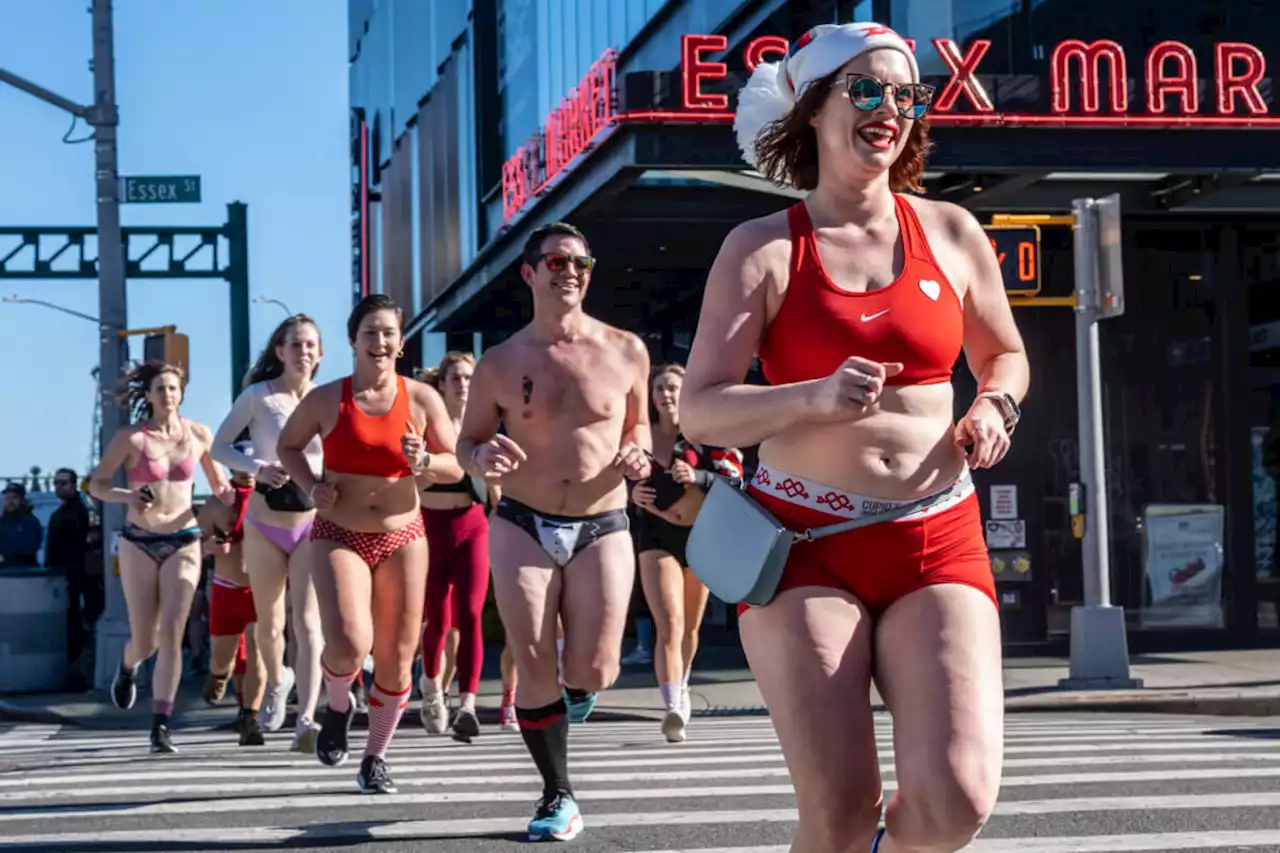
(859, 301)
(370, 555)
(457, 523)
(160, 542)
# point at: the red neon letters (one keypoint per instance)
(1090, 58)
(962, 79)
(1076, 89)
(1245, 84)
(1078, 92)
(695, 69)
(565, 134)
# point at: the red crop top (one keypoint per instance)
(369, 445)
(238, 509)
(917, 320)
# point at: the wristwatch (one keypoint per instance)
(1008, 408)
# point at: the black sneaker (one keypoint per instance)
(124, 688)
(251, 731)
(374, 777)
(331, 742)
(465, 725)
(161, 742)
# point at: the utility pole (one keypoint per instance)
(113, 626)
(1099, 642)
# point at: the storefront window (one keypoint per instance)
(1162, 412)
(1261, 267)
(961, 21)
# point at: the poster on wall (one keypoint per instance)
(1183, 560)
(1264, 508)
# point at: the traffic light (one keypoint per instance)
(168, 346)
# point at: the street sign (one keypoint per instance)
(1017, 248)
(167, 189)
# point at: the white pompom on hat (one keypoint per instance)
(774, 87)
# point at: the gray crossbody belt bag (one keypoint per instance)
(738, 549)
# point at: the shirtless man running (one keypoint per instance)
(572, 393)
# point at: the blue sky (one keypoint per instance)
(250, 95)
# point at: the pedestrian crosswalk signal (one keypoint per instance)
(167, 345)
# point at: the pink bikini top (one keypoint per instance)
(151, 470)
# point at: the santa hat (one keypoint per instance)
(774, 87)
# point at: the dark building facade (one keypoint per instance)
(478, 120)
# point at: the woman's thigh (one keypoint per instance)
(938, 667)
(399, 587)
(810, 650)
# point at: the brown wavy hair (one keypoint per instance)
(269, 365)
(434, 376)
(787, 149)
(137, 382)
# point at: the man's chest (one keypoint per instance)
(577, 385)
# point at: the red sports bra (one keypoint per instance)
(917, 320)
(368, 445)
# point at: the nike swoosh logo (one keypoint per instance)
(868, 318)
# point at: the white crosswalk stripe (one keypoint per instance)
(1071, 783)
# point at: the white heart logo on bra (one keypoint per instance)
(931, 289)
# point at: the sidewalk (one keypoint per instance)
(1232, 683)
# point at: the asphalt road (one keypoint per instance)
(1072, 782)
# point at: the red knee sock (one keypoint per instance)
(385, 711)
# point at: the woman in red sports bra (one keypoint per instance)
(378, 431)
(859, 302)
(160, 543)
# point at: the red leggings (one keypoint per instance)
(457, 574)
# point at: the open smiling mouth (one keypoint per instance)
(879, 135)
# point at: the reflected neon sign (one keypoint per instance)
(1088, 83)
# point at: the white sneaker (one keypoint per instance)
(435, 713)
(275, 704)
(304, 736)
(673, 726)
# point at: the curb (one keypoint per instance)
(11, 713)
(1219, 706)
(1180, 703)
(1188, 704)
(210, 718)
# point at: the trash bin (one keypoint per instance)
(33, 631)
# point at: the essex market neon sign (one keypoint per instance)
(1078, 97)
(1077, 94)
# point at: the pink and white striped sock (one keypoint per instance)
(385, 711)
(338, 688)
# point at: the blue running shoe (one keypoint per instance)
(875, 841)
(557, 819)
(578, 709)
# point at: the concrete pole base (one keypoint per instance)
(112, 637)
(1099, 650)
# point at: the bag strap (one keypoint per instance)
(876, 518)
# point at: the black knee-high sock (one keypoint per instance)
(546, 735)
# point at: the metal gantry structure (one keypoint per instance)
(161, 252)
